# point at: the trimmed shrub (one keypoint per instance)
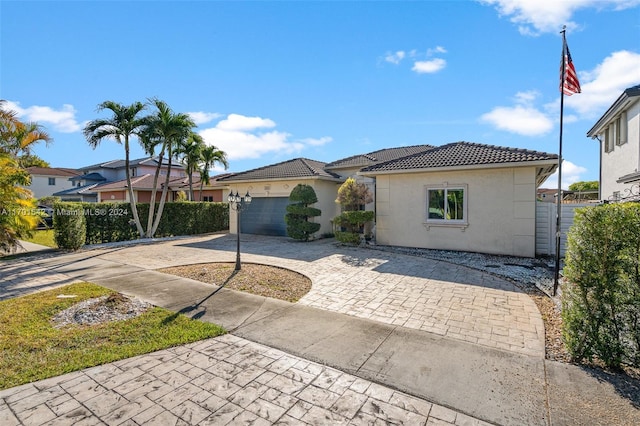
(601, 295)
(299, 212)
(353, 223)
(70, 225)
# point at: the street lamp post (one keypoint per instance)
(238, 203)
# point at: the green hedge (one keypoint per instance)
(70, 225)
(601, 296)
(108, 222)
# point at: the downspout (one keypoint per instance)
(600, 168)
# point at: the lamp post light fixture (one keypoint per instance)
(238, 203)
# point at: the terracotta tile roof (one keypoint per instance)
(52, 171)
(379, 156)
(461, 154)
(296, 168)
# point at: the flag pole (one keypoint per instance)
(556, 271)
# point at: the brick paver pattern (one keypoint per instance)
(407, 291)
(220, 381)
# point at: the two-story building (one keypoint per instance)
(618, 132)
(46, 181)
(108, 181)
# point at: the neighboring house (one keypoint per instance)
(143, 188)
(45, 181)
(618, 132)
(460, 196)
(107, 181)
(576, 197)
(82, 188)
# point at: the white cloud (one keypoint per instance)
(543, 16)
(523, 118)
(602, 86)
(63, 120)
(395, 58)
(239, 122)
(437, 49)
(317, 141)
(430, 66)
(571, 173)
(239, 136)
(201, 117)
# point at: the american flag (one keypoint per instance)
(569, 83)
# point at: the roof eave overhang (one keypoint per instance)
(538, 163)
(620, 104)
(278, 179)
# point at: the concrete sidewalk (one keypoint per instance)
(477, 381)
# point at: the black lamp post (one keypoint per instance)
(238, 203)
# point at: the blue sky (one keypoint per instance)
(268, 81)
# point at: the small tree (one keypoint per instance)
(352, 196)
(299, 212)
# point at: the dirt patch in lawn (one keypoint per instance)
(262, 280)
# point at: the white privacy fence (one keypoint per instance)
(546, 226)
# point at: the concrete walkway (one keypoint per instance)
(338, 324)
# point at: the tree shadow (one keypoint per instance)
(201, 310)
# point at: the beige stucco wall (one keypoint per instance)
(326, 191)
(500, 211)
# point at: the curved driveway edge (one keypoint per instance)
(423, 294)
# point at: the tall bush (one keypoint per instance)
(353, 222)
(299, 212)
(70, 225)
(601, 295)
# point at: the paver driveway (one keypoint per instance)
(429, 295)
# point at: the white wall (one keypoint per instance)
(624, 159)
(41, 188)
(500, 211)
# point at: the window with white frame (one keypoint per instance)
(608, 139)
(52, 181)
(621, 129)
(447, 204)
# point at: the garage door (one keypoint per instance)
(265, 216)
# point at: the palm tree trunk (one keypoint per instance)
(154, 191)
(163, 197)
(132, 201)
(191, 186)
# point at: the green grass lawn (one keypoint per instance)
(44, 237)
(32, 349)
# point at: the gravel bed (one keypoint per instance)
(115, 307)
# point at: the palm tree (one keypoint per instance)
(169, 130)
(210, 156)
(121, 126)
(191, 152)
(17, 137)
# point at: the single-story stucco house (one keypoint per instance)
(460, 196)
